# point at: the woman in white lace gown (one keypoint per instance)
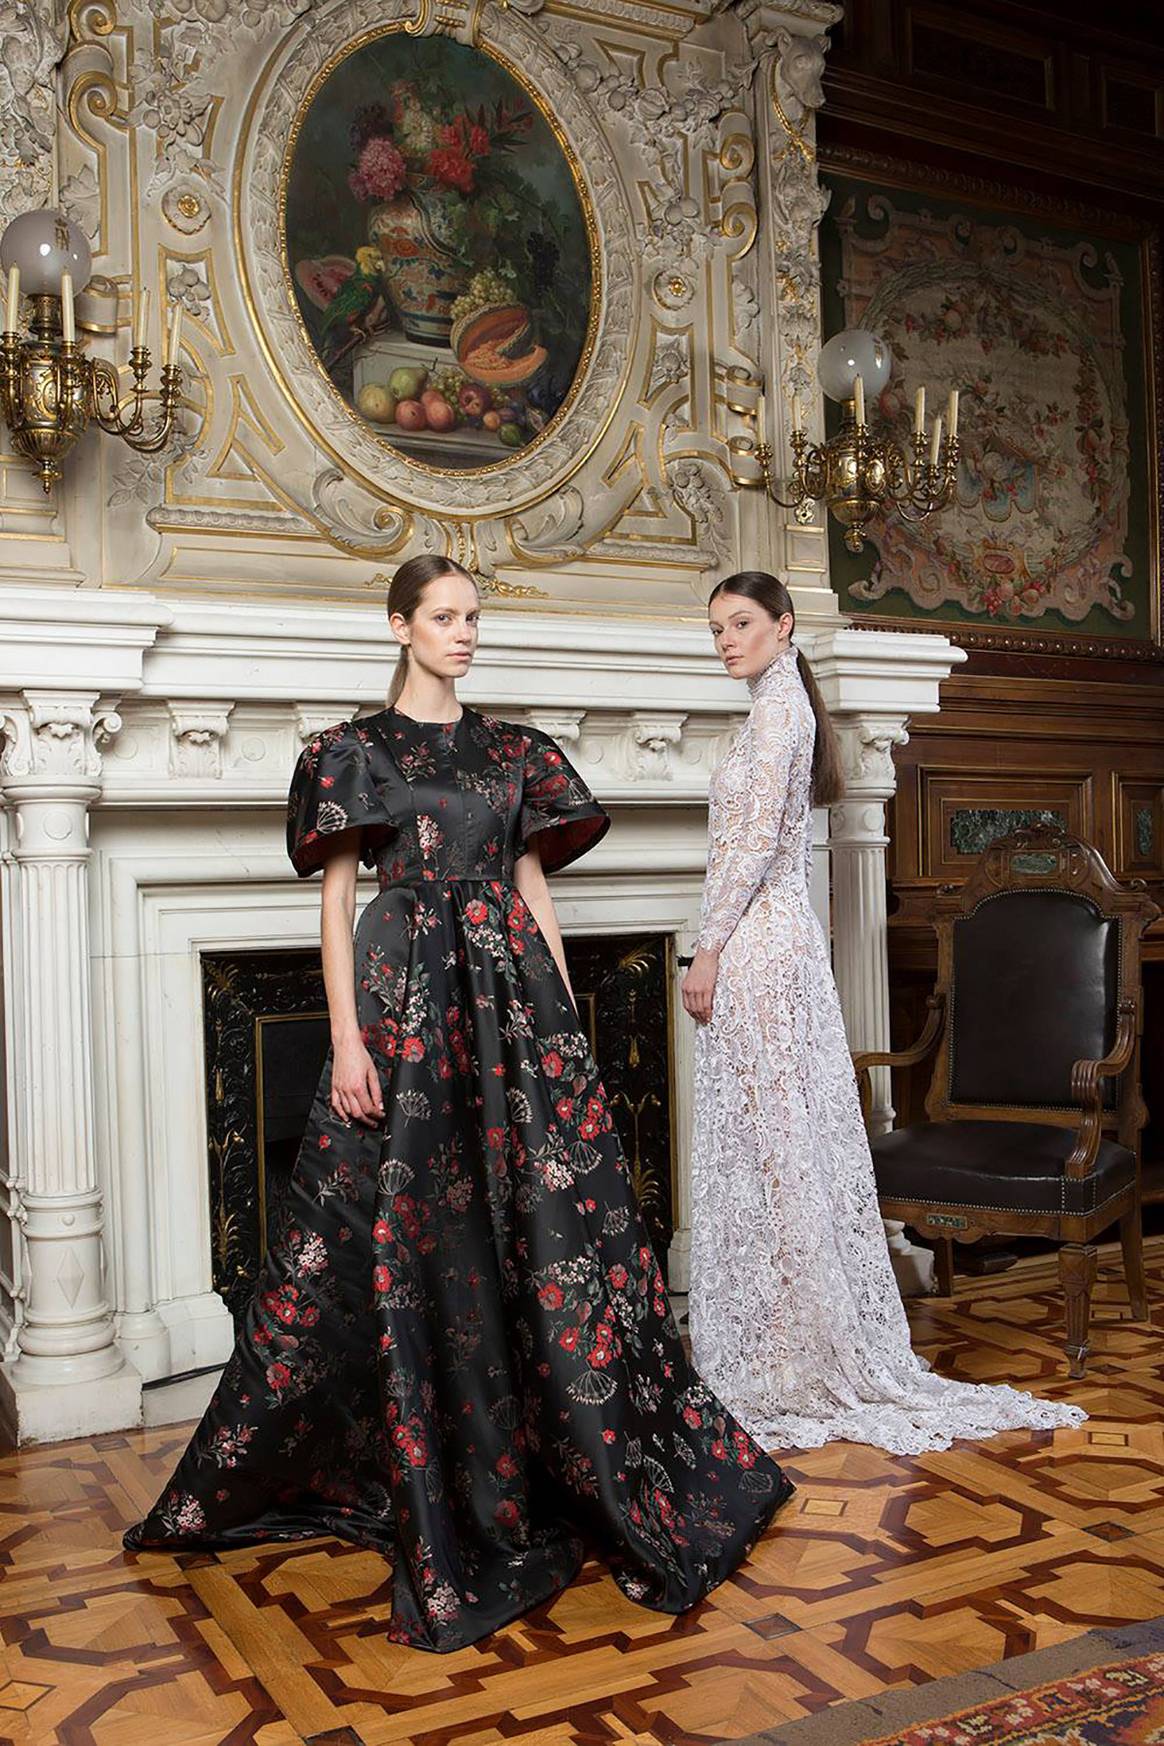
(796, 1320)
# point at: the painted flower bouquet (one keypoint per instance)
(410, 143)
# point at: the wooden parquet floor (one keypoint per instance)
(882, 1572)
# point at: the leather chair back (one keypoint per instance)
(1035, 988)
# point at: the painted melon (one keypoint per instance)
(493, 345)
(321, 279)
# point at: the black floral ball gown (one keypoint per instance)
(460, 1351)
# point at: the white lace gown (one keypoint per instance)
(796, 1320)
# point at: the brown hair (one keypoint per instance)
(405, 593)
(828, 781)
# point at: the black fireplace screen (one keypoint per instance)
(266, 1038)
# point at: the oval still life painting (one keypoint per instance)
(439, 249)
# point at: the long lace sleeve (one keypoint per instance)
(746, 818)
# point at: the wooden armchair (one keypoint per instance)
(1035, 1105)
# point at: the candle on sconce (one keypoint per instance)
(141, 319)
(859, 397)
(952, 415)
(919, 412)
(174, 336)
(68, 322)
(12, 314)
(796, 415)
(936, 441)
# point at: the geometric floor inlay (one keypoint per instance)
(883, 1571)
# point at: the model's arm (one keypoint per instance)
(355, 1084)
(530, 880)
(750, 837)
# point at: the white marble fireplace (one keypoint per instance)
(147, 751)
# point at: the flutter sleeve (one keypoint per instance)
(556, 805)
(332, 793)
(747, 822)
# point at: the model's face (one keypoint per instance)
(747, 638)
(442, 632)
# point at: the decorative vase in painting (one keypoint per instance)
(417, 235)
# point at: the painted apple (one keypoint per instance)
(441, 416)
(410, 415)
(475, 400)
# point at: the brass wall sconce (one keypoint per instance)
(860, 471)
(49, 390)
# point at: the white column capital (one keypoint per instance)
(55, 737)
(867, 745)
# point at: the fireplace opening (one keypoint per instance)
(266, 1039)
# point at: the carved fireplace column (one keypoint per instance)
(69, 1374)
(857, 843)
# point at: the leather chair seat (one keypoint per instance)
(996, 1166)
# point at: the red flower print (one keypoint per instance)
(692, 1418)
(569, 1339)
(495, 1138)
(608, 1436)
(551, 1296)
(278, 1375)
(506, 1465)
(475, 911)
(618, 1275)
(719, 1449)
(412, 1049)
(552, 1064)
(381, 1231)
(565, 1108)
(506, 1513)
(324, 1142)
(327, 781)
(382, 1278)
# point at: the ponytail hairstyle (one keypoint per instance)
(828, 781)
(405, 593)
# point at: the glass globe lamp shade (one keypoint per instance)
(44, 245)
(851, 353)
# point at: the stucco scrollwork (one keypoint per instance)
(33, 34)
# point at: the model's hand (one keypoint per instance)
(355, 1084)
(699, 985)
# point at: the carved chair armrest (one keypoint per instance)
(864, 1059)
(1087, 1088)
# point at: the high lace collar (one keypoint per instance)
(775, 675)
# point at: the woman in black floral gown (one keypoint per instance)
(460, 1351)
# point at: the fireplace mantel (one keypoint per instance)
(147, 749)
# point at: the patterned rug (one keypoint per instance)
(1103, 1688)
(1118, 1705)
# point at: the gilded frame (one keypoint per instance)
(399, 28)
(571, 437)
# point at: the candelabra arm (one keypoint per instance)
(805, 456)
